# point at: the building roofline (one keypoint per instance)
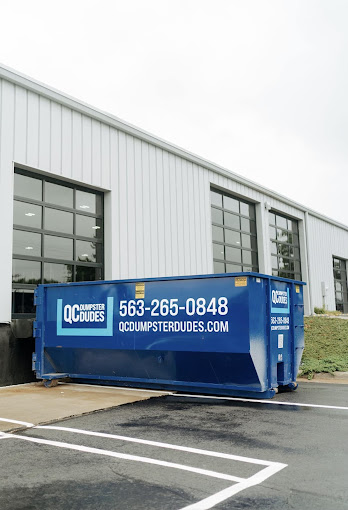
(33, 85)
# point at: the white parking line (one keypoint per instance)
(219, 497)
(124, 456)
(198, 451)
(241, 484)
(17, 422)
(258, 401)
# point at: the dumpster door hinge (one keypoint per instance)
(35, 365)
(37, 300)
(37, 330)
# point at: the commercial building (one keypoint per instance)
(86, 196)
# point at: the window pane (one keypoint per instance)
(27, 187)
(26, 271)
(272, 218)
(244, 209)
(294, 226)
(246, 257)
(218, 234)
(57, 273)
(274, 248)
(339, 297)
(219, 267)
(88, 274)
(245, 224)
(288, 264)
(297, 266)
(231, 220)
(59, 221)
(283, 249)
(294, 252)
(231, 204)
(216, 216)
(27, 215)
(253, 243)
(247, 269)
(59, 195)
(233, 268)
(23, 301)
(232, 237)
(275, 262)
(272, 233)
(92, 227)
(284, 274)
(281, 222)
(246, 242)
(337, 274)
(216, 198)
(87, 251)
(218, 251)
(252, 212)
(86, 202)
(254, 258)
(26, 243)
(58, 248)
(233, 254)
(338, 286)
(282, 236)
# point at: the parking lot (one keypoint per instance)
(185, 452)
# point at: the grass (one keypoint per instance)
(326, 346)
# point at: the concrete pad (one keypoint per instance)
(35, 404)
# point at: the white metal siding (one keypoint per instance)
(41, 134)
(157, 200)
(324, 242)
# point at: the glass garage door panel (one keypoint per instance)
(233, 234)
(340, 284)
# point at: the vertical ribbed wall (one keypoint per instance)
(324, 242)
(157, 203)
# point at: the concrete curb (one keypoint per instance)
(336, 377)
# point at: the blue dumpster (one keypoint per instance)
(236, 334)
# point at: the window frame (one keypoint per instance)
(98, 216)
(343, 269)
(294, 232)
(252, 233)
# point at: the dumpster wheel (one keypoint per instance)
(50, 383)
(288, 387)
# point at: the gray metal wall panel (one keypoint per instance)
(325, 241)
(7, 125)
(45, 136)
(157, 212)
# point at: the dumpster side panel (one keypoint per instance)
(259, 327)
(298, 322)
(200, 334)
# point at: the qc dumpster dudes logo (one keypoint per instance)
(280, 301)
(71, 316)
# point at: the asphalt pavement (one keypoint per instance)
(180, 452)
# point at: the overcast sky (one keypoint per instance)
(257, 86)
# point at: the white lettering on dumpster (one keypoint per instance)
(164, 307)
(279, 297)
(89, 312)
(173, 326)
